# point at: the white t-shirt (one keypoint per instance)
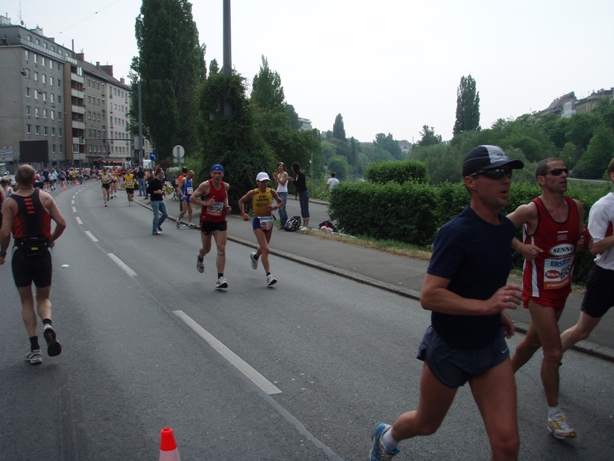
(284, 187)
(332, 182)
(600, 225)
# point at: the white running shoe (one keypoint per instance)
(254, 261)
(200, 264)
(221, 283)
(177, 224)
(559, 427)
(270, 280)
(34, 357)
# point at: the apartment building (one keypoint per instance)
(56, 108)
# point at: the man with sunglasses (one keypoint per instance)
(552, 226)
(599, 296)
(467, 292)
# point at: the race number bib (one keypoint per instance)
(189, 190)
(557, 272)
(266, 222)
(217, 207)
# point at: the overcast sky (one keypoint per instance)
(387, 66)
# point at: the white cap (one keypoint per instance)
(262, 176)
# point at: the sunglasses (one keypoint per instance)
(495, 173)
(557, 171)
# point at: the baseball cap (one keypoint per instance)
(487, 157)
(262, 176)
(217, 167)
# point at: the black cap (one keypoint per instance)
(487, 158)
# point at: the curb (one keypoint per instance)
(586, 347)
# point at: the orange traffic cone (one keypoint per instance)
(63, 186)
(168, 447)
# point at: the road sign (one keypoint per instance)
(178, 153)
(153, 156)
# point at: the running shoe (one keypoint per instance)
(379, 452)
(160, 229)
(53, 346)
(105, 203)
(221, 283)
(34, 357)
(191, 225)
(177, 224)
(559, 427)
(304, 229)
(155, 233)
(200, 264)
(270, 280)
(254, 261)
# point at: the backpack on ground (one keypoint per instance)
(292, 224)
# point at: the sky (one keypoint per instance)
(387, 66)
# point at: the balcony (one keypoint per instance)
(76, 78)
(78, 109)
(77, 93)
(78, 141)
(78, 125)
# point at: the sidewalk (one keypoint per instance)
(398, 274)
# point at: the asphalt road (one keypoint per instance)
(298, 371)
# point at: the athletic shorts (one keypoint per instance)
(129, 191)
(256, 224)
(106, 186)
(32, 269)
(558, 304)
(208, 227)
(599, 296)
(454, 367)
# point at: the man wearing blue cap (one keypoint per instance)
(212, 195)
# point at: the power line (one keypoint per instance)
(88, 17)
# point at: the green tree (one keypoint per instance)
(214, 67)
(267, 91)
(388, 143)
(429, 138)
(598, 155)
(339, 165)
(170, 67)
(467, 106)
(338, 128)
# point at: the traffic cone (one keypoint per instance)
(168, 447)
(63, 186)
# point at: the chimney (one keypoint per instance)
(97, 64)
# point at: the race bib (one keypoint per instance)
(266, 222)
(557, 272)
(218, 207)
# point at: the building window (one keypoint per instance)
(61, 148)
(28, 129)
(36, 76)
(44, 77)
(27, 55)
(28, 111)
(59, 99)
(59, 83)
(60, 135)
(59, 115)
(27, 92)
(51, 81)
(52, 115)
(51, 65)
(52, 132)
(35, 58)
(44, 113)
(52, 97)
(35, 94)
(53, 148)
(44, 95)
(36, 112)
(37, 130)
(45, 130)
(43, 61)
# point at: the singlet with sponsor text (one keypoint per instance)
(548, 276)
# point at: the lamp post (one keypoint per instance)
(228, 110)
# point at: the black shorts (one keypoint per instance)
(454, 367)
(599, 296)
(27, 270)
(129, 190)
(106, 186)
(208, 227)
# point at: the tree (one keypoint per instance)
(388, 143)
(598, 155)
(338, 129)
(170, 66)
(267, 91)
(467, 106)
(339, 165)
(429, 138)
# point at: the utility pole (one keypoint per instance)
(228, 109)
(141, 147)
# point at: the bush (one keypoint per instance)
(398, 171)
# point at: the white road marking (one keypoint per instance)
(122, 265)
(79, 220)
(233, 358)
(72, 202)
(90, 235)
(74, 210)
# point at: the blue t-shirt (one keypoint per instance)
(476, 257)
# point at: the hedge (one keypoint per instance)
(412, 212)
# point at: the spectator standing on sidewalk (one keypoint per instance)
(156, 191)
(300, 181)
(140, 176)
(281, 178)
(599, 296)
(262, 206)
(466, 289)
(27, 214)
(552, 226)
